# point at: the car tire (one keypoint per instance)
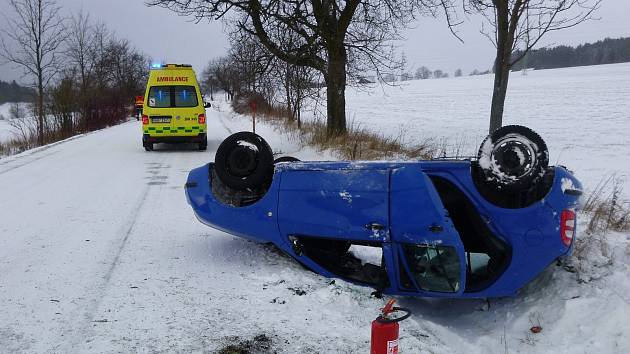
(512, 159)
(285, 159)
(244, 160)
(203, 146)
(148, 146)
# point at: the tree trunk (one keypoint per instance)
(335, 92)
(297, 110)
(287, 89)
(40, 112)
(501, 65)
(501, 77)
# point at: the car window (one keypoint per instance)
(361, 262)
(159, 97)
(185, 96)
(434, 268)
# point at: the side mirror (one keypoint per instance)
(207, 105)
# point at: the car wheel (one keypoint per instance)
(203, 146)
(244, 160)
(148, 146)
(513, 158)
(285, 159)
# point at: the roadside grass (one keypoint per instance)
(58, 125)
(607, 208)
(25, 137)
(358, 143)
(607, 215)
(16, 145)
(362, 144)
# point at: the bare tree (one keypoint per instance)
(37, 32)
(17, 110)
(107, 70)
(518, 26)
(208, 80)
(213, 76)
(404, 74)
(63, 105)
(80, 36)
(252, 62)
(299, 83)
(127, 67)
(423, 73)
(335, 37)
(119, 74)
(224, 75)
(100, 38)
(78, 49)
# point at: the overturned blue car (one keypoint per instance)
(478, 227)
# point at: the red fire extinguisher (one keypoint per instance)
(385, 329)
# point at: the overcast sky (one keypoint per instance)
(164, 36)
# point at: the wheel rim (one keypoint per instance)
(514, 157)
(242, 161)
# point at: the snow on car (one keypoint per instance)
(476, 228)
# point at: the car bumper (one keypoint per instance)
(146, 138)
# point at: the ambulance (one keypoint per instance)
(173, 110)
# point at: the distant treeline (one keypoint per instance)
(12, 92)
(608, 51)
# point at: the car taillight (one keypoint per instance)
(567, 226)
(202, 119)
(145, 120)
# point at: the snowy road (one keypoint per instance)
(74, 216)
(100, 253)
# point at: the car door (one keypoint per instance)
(349, 204)
(428, 255)
(336, 221)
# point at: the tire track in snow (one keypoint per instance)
(28, 162)
(26, 155)
(85, 326)
(222, 121)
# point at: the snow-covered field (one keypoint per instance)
(100, 253)
(9, 131)
(582, 113)
(5, 127)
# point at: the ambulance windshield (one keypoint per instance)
(172, 96)
(185, 96)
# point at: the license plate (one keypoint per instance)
(161, 119)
